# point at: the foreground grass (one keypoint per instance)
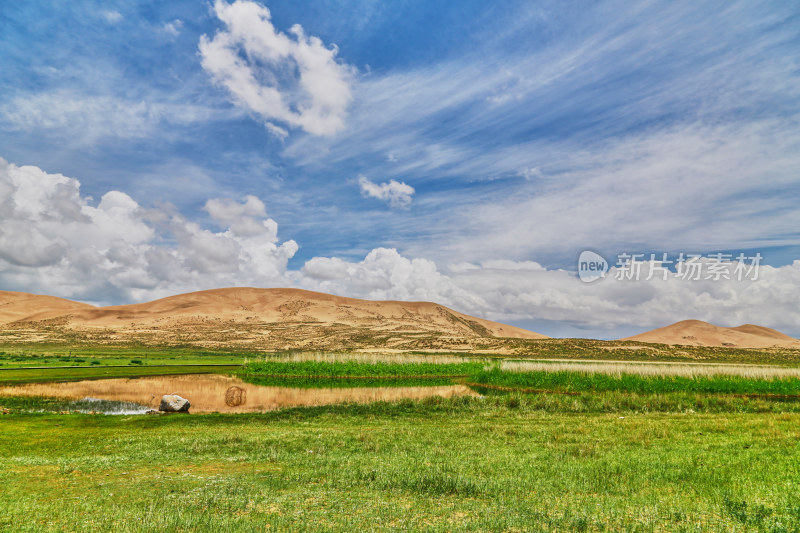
(437, 465)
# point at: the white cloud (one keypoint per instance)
(384, 274)
(293, 79)
(53, 240)
(524, 291)
(65, 112)
(82, 119)
(651, 160)
(690, 187)
(610, 304)
(172, 28)
(507, 264)
(395, 193)
(112, 17)
(246, 219)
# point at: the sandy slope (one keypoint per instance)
(699, 333)
(24, 306)
(252, 305)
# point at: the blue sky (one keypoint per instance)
(455, 134)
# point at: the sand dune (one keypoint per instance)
(257, 306)
(33, 307)
(699, 333)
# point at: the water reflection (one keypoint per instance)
(210, 393)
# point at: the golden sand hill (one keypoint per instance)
(256, 318)
(16, 306)
(699, 333)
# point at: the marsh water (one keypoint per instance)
(209, 393)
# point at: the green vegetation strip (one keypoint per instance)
(342, 374)
(570, 381)
(42, 375)
(113, 366)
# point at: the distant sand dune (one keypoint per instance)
(699, 333)
(252, 305)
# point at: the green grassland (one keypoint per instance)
(539, 450)
(32, 354)
(41, 375)
(438, 465)
(25, 363)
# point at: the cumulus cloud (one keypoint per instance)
(609, 304)
(525, 291)
(395, 193)
(53, 240)
(384, 274)
(246, 218)
(291, 78)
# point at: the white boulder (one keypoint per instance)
(172, 403)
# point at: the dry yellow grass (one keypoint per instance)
(371, 357)
(209, 393)
(655, 369)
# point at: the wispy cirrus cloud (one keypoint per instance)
(85, 119)
(641, 128)
(111, 16)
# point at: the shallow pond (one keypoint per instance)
(210, 393)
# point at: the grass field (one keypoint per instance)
(25, 355)
(600, 447)
(41, 375)
(438, 465)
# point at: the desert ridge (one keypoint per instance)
(255, 305)
(16, 306)
(699, 333)
(302, 317)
